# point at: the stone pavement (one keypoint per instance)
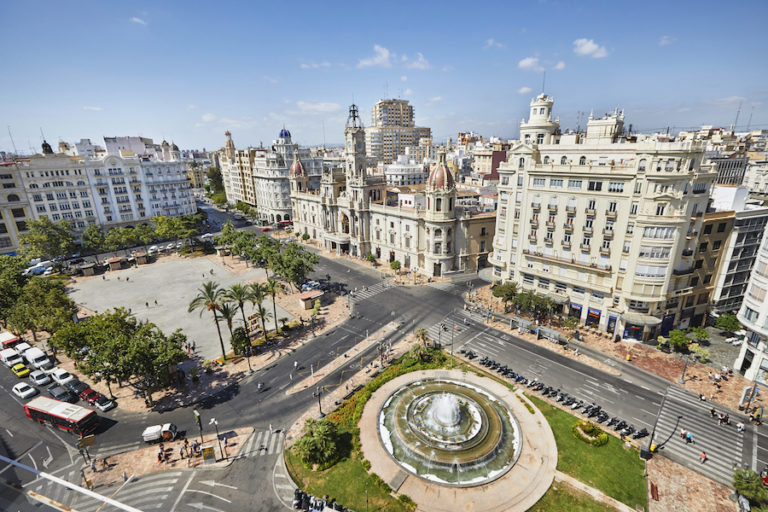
(519, 489)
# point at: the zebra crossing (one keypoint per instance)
(367, 292)
(54, 491)
(723, 444)
(263, 443)
(108, 450)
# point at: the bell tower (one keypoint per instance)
(354, 152)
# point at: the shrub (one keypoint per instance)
(366, 464)
(318, 444)
(384, 486)
(407, 500)
(589, 433)
(305, 237)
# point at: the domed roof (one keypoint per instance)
(440, 176)
(284, 133)
(297, 168)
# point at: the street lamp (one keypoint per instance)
(248, 350)
(318, 393)
(216, 425)
(682, 377)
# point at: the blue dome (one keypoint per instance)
(284, 133)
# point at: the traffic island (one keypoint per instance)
(109, 470)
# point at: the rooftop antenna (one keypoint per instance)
(41, 134)
(543, 81)
(738, 112)
(15, 151)
(749, 122)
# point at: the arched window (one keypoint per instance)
(12, 198)
(641, 165)
(583, 160)
(563, 161)
(546, 159)
(521, 163)
(438, 233)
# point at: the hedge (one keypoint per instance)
(589, 433)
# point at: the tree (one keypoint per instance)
(46, 239)
(228, 234)
(422, 335)
(146, 234)
(11, 282)
(294, 264)
(748, 484)
(208, 299)
(395, 265)
(228, 312)
(215, 179)
(114, 240)
(370, 258)
(239, 294)
(700, 333)
(305, 237)
(678, 340)
(93, 239)
(506, 292)
(728, 322)
(267, 253)
(418, 352)
(151, 354)
(258, 295)
(274, 288)
(240, 342)
(318, 445)
(43, 305)
(571, 323)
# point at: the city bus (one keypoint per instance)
(283, 224)
(62, 415)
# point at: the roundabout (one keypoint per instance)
(454, 440)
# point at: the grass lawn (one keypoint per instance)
(346, 481)
(615, 471)
(564, 497)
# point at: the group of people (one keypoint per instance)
(185, 451)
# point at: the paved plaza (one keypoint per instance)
(173, 283)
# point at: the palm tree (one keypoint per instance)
(239, 294)
(228, 312)
(209, 299)
(422, 336)
(273, 287)
(258, 295)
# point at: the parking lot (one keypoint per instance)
(161, 292)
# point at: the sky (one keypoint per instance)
(188, 71)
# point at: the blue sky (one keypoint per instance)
(188, 71)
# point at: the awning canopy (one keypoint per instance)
(557, 298)
(641, 319)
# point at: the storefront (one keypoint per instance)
(575, 311)
(611, 325)
(593, 317)
(666, 324)
(639, 326)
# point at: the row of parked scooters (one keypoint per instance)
(591, 411)
(307, 502)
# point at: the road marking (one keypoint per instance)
(213, 483)
(209, 494)
(200, 506)
(273, 444)
(49, 459)
(183, 490)
(9, 432)
(754, 449)
(283, 486)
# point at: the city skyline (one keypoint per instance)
(187, 75)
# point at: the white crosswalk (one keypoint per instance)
(114, 449)
(54, 491)
(145, 493)
(723, 444)
(263, 443)
(367, 292)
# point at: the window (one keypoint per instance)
(546, 159)
(612, 207)
(627, 246)
(650, 270)
(641, 165)
(615, 186)
(591, 204)
(750, 314)
(638, 187)
(708, 229)
(482, 246)
(521, 163)
(583, 160)
(567, 238)
(520, 180)
(527, 279)
(721, 227)
(17, 212)
(694, 281)
(574, 184)
(707, 278)
(556, 183)
(563, 161)
(699, 264)
(633, 209)
(703, 247)
(539, 182)
(654, 252)
(659, 232)
(606, 244)
(716, 244)
(660, 209)
(578, 290)
(586, 241)
(757, 293)
(483, 232)
(595, 186)
(540, 139)
(560, 287)
(630, 227)
(505, 180)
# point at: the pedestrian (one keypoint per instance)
(727, 419)
(740, 427)
(702, 398)
(103, 278)
(160, 456)
(193, 345)
(689, 438)
(211, 271)
(118, 278)
(105, 462)
(93, 466)
(126, 279)
(270, 428)
(709, 374)
(720, 419)
(146, 304)
(712, 412)
(682, 434)
(181, 452)
(295, 364)
(129, 311)
(703, 457)
(155, 302)
(125, 477)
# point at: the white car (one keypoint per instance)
(24, 390)
(179, 245)
(40, 378)
(152, 250)
(103, 403)
(170, 246)
(61, 376)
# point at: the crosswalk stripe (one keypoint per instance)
(273, 443)
(259, 440)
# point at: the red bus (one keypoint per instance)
(285, 224)
(62, 415)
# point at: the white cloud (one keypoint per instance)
(530, 64)
(589, 48)
(559, 66)
(208, 117)
(524, 90)
(666, 40)
(92, 108)
(318, 107)
(407, 92)
(730, 99)
(403, 78)
(419, 63)
(270, 79)
(191, 106)
(434, 99)
(316, 65)
(381, 58)
(492, 43)
(138, 20)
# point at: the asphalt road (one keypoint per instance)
(632, 395)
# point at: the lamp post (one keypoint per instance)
(318, 393)
(216, 425)
(199, 422)
(682, 377)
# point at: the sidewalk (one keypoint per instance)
(144, 460)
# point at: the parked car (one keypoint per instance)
(152, 250)
(59, 393)
(21, 348)
(266, 229)
(39, 377)
(170, 246)
(24, 390)
(90, 395)
(10, 357)
(179, 244)
(61, 376)
(77, 387)
(20, 370)
(103, 403)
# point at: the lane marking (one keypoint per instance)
(209, 494)
(183, 490)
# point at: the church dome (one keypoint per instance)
(284, 133)
(297, 168)
(440, 176)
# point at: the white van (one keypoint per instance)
(21, 348)
(37, 359)
(9, 357)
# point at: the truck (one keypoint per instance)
(8, 340)
(156, 433)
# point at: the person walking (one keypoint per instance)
(740, 427)
(689, 438)
(712, 412)
(124, 477)
(155, 302)
(93, 466)
(181, 452)
(682, 434)
(703, 457)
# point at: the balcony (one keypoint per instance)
(570, 261)
(552, 207)
(682, 271)
(687, 252)
(532, 238)
(570, 209)
(608, 233)
(585, 247)
(534, 222)
(566, 244)
(568, 227)
(609, 214)
(605, 251)
(590, 212)
(536, 206)
(550, 224)
(587, 229)
(696, 215)
(691, 235)
(548, 241)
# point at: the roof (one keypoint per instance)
(63, 409)
(311, 294)
(116, 259)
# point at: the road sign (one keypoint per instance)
(209, 455)
(89, 440)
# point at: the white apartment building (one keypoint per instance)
(603, 223)
(393, 130)
(405, 171)
(753, 315)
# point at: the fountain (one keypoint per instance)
(449, 432)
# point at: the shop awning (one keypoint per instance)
(641, 319)
(557, 298)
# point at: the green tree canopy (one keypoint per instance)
(94, 240)
(239, 341)
(215, 180)
(294, 264)
(46, 239)
(395, 265)
(748, 484)
(728, 323)
(506, 292)
(43, 305)
(678, 340)
(11, 282)
(318, 444)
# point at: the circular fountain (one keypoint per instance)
(449, 432)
